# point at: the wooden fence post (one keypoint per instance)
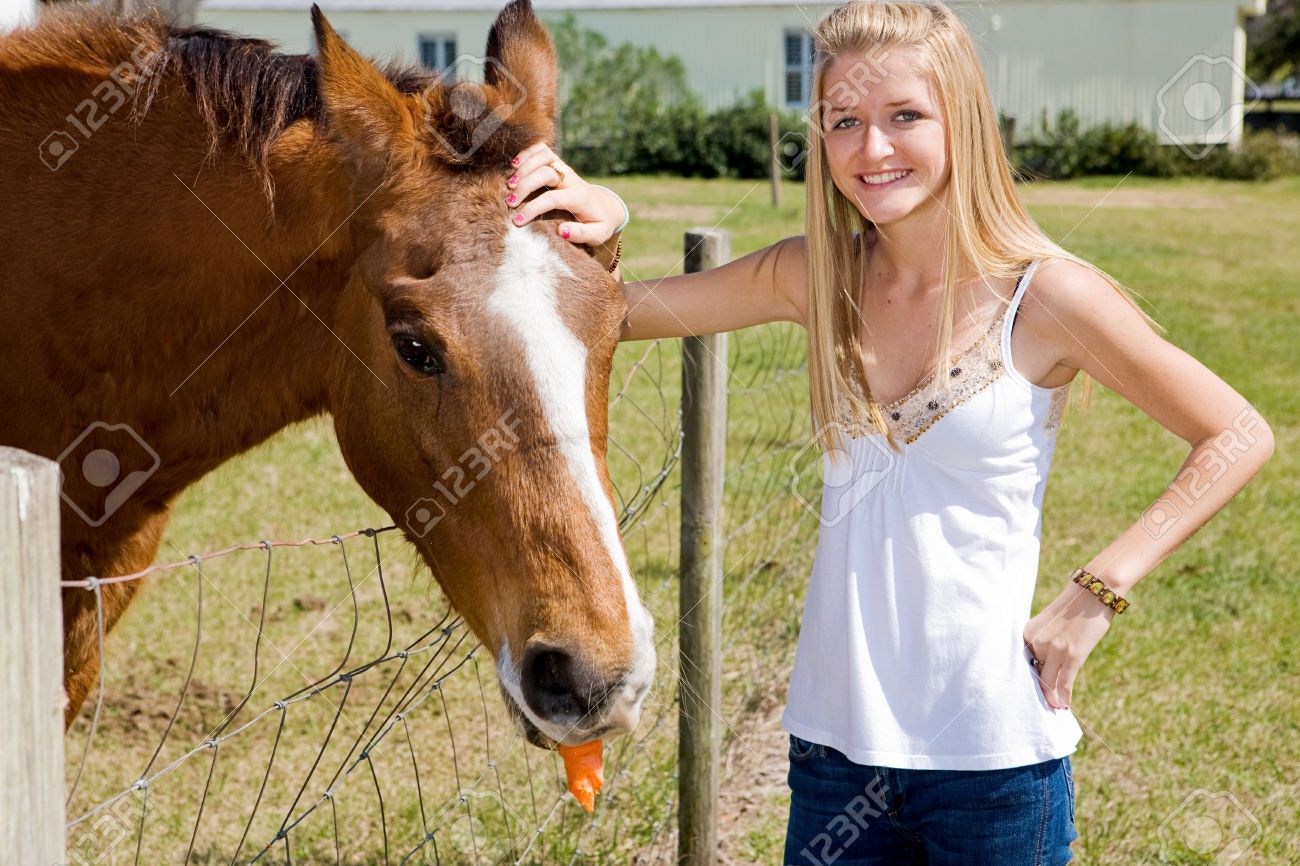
(704, 429)
(1009, 135)
(31, 680)
(774, 167)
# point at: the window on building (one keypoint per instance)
(438, 52)
(798, 68)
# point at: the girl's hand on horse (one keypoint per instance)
(1062, 636)
(597, 213)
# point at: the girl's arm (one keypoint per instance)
(769, 285)
(1097, 331)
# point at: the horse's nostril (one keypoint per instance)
(550, 684)
(552, 672)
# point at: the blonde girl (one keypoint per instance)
(928, 712)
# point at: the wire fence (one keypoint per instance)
(772, 495)
(210, 742)
(401, 691)
(397, 753)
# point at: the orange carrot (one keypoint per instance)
(586, 774)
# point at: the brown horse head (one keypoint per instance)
(465, 361)
(477, 414)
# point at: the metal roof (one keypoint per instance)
(1246, 7)
(488, 5)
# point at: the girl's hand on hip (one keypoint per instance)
(1062, 636)
(597, 213)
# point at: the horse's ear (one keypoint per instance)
(362, 105)
(521, 66)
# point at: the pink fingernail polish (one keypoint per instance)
(514, 178)
(519, 219)
(515, 161)
(512, 198)
(565, 232)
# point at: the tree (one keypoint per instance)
(624, 107)
(1273, 41)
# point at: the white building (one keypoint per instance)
(1173, 66)
(16, 12)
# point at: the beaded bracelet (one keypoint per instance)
(618, 254)
(1094, 585)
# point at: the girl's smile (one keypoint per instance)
(884, 180)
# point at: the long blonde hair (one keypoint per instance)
(988, 230)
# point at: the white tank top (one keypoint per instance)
(911, 651)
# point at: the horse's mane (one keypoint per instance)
(246, 91)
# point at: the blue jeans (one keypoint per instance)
(850, 814)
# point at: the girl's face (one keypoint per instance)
(885, 136)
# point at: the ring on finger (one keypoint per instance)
(555, 167)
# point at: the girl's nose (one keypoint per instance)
(876, 145)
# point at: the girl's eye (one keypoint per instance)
(844, 122)
(908, 116)
(417, 355)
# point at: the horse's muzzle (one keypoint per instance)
(561, 690)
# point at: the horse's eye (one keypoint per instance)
(417, 355)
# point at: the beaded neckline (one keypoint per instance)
(994, 329)
(972, 371)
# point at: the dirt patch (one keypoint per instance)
(136, 710)
(754, 789)
(1062, 195)
(753, 800)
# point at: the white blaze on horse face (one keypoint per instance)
(525, 296)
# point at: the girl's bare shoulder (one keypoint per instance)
(1068, 303)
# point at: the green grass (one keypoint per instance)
(1193, 690)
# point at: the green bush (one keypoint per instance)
(628, 109)
(1064, 150)
(1123, 149)
(736, 141)
(1263, 155)
(622, 106)
(1053, 152)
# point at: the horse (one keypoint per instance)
(209, 240)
